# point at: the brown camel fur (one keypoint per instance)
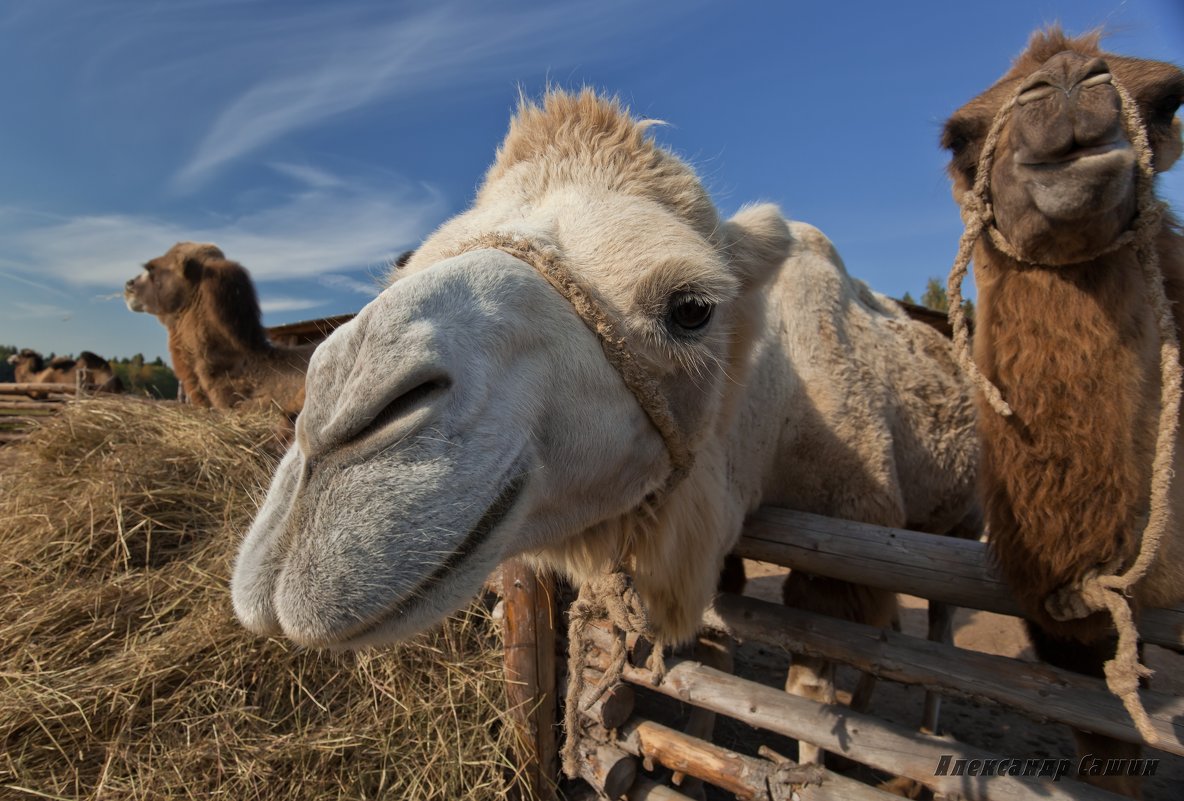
(30, 368)
(1068, 336)
(219, 349)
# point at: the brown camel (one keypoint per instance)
(1064, 330)
(30, 368)
(219, 349)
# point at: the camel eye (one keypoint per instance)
(688, 313)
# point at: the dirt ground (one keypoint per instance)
(993, 728)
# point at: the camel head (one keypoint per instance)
(471, 412)
(167, 285)
(27, 358)
(1062, 182)
(197, 282)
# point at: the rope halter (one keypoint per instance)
(612, 594)
(1097, 592)
(644, 386)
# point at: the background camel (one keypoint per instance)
(219, 349)
(1068, 337)
(469, 414)
(31, 368)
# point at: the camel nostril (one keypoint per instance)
(404, 404)
(1096, 71)
(1038, 91)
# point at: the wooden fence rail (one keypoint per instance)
(938, 568)
(1040, 691)
(24, 404)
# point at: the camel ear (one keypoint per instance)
(1169, 150)
(757, 242)
(191, 268)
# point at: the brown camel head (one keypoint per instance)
(197, 281)
(1062, 183)
(27, 358)
(168, 283)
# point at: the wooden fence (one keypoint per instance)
(938, 568)
(23, 405)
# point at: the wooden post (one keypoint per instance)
(609, 770)
(530, 619)
(613, 708)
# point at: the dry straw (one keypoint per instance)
(123, 673)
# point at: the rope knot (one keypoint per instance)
(611, 596)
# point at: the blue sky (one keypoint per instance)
(314, 141)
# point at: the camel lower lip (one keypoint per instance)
(494, 515)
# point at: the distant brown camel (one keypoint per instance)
(30, 368)
(1065, 331)
(219, 349)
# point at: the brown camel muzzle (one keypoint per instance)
(1067, 110)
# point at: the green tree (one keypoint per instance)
(935, 298)
(7, 373)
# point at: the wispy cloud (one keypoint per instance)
(35, 284)
(344, 66)
(368, 288)
(313, 232)
(23, 310)
(307, 175)
(271, 305)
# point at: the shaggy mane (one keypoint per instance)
(230, 297)
(1044, 44)
(592, 139)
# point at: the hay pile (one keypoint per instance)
(123, 673)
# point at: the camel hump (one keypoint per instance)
(91, 361)
(196, 250)
(61, 362)
(809, 241)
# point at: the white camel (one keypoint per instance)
(476, 410)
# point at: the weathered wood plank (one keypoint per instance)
(21, 402)
(745, 776)
(939, 568)
(649, 790)
(23, 388)
(1038, 690)
(529, 646)
(860, 737)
